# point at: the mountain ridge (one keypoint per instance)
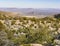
(33, 11)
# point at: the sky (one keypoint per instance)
(29, 3)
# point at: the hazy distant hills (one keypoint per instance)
(33, 11)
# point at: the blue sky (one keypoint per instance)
(30, 3)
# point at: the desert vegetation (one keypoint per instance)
(24, 31)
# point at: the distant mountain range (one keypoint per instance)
(33, 11)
